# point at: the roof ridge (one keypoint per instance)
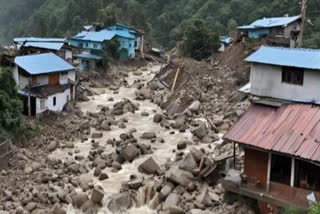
(291, 49)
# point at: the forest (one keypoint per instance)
(164, 21)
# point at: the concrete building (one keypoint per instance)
(33, 45)
(279, 134)
(225, 41)
(93, 43)
(285, 73)
(280, 30)
(46, 82)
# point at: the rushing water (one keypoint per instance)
(161, 152)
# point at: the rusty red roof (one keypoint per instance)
(292, 129)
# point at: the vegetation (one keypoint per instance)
(11, 106)
(198, 43)
(163, 21)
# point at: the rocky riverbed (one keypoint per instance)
(121, 153)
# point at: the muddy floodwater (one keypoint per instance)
(161, 151)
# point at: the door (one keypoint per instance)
(33, 106)
(54, 79)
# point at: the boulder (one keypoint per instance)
(157, 118)
(232, 179)
(175, 210)
(69, 145)
(103, 177)
(200, 131)
(204, 198)
(130, 152)
(189, 163)
(28, 170)
(74, 168)
(149, 167)
(97, 195)
(97, 172)
(120, 202)
(97, 135)
(172, 200)
(148, 135)
(105, 126)
(179, 177)
(52, 146)
(31, 206)
(182, 145)
(59, 210)
(166, 190)
(36, 166)
(195, 106)
(79, 199)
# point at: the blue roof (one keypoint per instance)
(270, 22)
(121, 33)
(292, 57)
(37, 39)
(45, 45)
(42, 63)
(225, 39)
(88, 56)
(99, 36)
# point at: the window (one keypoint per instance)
(292, 75)
(136, 44)
(95, 46)
(54, 101)
(42, 104)
(68, 98)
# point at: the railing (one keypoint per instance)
(285, 194)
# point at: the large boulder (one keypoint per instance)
(79, 199)
(179, 177)
(130, 152)
(97, 195)
(97, 135)
(157, 118)
(172, 200)
(189, 163)
(120, 202)
(195, 106)
(52, 146)
(149, 167)
(204, 198)
(148, 135)
(200, 131)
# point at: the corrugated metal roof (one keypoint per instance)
(292, 129)
(99, 36)
(294, 57)
(270, 22)
(225, 39)
(88, 56)
(42, 63)
(44, 45)
(37, 39)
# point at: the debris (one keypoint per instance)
(149, 167)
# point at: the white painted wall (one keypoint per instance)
(68, 54)
(23, 81)
(61, 100)
(72, 75)
(16, 74)
(266, 81)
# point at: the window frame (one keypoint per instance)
(292, 75)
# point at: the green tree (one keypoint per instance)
(232, 25)
(10, 104)
(110, 50)
(107, 16)
(198, 43)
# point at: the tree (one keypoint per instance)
(10, 104)
(107, 16)
(110, 50)
(232, 25)
(198, 43)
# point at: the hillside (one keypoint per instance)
(164, 21)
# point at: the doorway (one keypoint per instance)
(280, 169)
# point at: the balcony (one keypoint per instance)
(278, 194)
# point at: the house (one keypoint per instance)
(285, 73)
(32, 45)
(279, 134)
(46, 81)
(93, 43)
(280, 30)
(225, 41)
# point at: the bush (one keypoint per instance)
(11, 106)
(290, 210)
(315, 209)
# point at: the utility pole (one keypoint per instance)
(303, 19)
